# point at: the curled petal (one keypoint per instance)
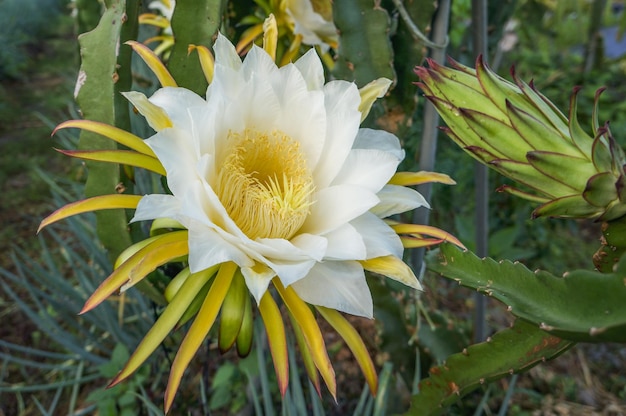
(154, 63)
(394, 268)
(121, 136)
(270, 36)
(370, 93)
(418, 178)
(417, 231)
(156, 117)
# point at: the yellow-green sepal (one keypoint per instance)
(307, 359)
(132, 250)
(418, 178)
(354, 342)
(199, 329)
(144, 261)
(233, 312)
(276, 338)
(114, 133)
(305, 319)
(166, 322)
(95, 203)
(124, 157)
(176, 283)
(246, 332)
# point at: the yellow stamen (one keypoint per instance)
(265, 184)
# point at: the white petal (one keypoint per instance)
(257, 279)
(369, 168)
(380, 239)
(311, 69)
(395, 199)
(302, 115)
(301, 247)
(259, 63)
(203, 129)
(177, 152)
(337, 205)
(338, 285)
(176, 103)
(291, 260)
(225, 53)
(155, 206)
(345, 243)
(342, 124)
(201, 204)
(258, 105)
(291, 272)
(379, 139)
(207, 248)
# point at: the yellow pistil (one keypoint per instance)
(265, 184)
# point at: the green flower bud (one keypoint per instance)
(514, 129)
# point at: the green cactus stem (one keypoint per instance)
(509, 351)
(582, 305)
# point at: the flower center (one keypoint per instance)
(264, 184)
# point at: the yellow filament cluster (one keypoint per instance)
(264, 184)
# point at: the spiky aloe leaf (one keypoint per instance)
(95, 94)
(507, 352)
(365, 51)
(581, 306)
(194, 22)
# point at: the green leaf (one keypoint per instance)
(96, 98)
(581, 306)
(194, 22)
(507, 352)
(365, 52)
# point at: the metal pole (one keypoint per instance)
(479, 25)
(428, 147)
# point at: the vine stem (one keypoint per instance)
(416, 32)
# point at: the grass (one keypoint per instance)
(42, 92)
